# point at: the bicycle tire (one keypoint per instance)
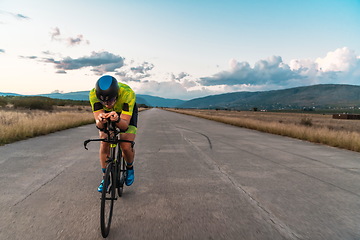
(107, 200)
(120, 171)
(121, 176)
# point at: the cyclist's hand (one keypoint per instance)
(113, 116)
(102, 117)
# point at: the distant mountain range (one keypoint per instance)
(318, 96)
(84, 95)
(140, 99)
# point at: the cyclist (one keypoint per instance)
(114, 100)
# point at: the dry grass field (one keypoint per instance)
(316, 128)
(22, 124)
(17, 125)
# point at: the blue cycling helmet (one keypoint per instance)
(107, 89)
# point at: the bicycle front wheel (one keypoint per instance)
(107, 200)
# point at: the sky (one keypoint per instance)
(178, 49)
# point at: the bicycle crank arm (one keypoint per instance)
(110, 198)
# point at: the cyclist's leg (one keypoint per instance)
(104, 150)
(129, 135)
(128, 151)
(103, 154)
(129, 154)
(127, 148)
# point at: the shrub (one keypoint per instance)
(141, 105)
(306, 121)
(40, 103)
(3, 102)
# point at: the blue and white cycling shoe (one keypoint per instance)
(100, 188)
(130, 176)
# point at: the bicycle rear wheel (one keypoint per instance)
(121, 176)
(107, 200)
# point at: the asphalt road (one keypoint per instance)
(194, 179)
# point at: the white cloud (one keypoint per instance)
(185, 79)
(77, 40)
(339, 66)
(298, 64)
(101, 63)
(342, 60)
(55, 33)
(269, 71)
(134, 72)
(143, 80)
(169, 89)
(71, 41)
(17, 16)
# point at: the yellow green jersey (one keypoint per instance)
(124, 104)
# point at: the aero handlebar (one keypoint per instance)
(110, 129)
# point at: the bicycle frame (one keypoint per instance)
(114, 175)
(113, 139)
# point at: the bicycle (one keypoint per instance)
(114, 176)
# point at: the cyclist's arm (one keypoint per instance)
(100, 118)
(124, 120)
(127, 109)
(97, 109)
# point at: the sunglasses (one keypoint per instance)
(108, 102)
